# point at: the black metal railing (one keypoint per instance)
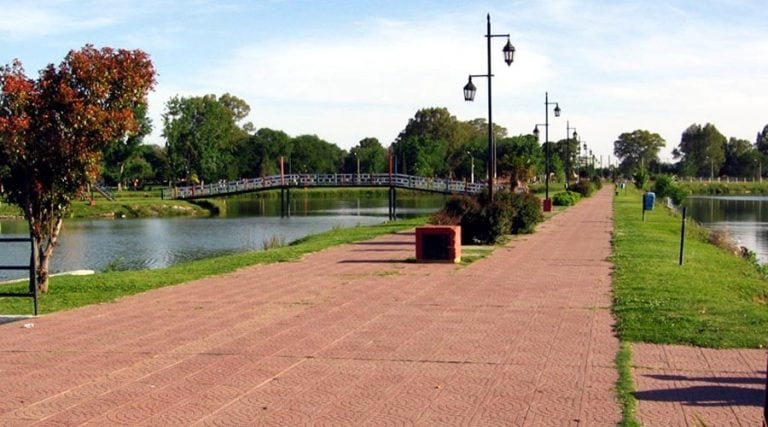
(32, 290)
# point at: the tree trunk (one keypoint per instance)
(120, 177)
(44, 252)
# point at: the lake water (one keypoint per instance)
(745, 218)
(248, 223)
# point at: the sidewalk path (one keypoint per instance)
(353, 335)
(689, 386)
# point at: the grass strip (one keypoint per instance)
(715, 299)
(625, 386)
(68, 292)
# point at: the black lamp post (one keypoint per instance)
(471, 167)
(469, 95)
(357, 160)
(567, 152)
(547, 201)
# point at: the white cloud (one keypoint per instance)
(19, 21)
(613, 66)
(366, 84)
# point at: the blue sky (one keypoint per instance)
(346, 70)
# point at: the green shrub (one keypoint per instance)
(484, 222)
(566, 198)
(584, 187)
(641, 178)
(597, 182)
(524, 209)
(455, 208)
(665, 187)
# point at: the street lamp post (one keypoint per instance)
(471, 167)
(469, 95)
(567, 151)
(357, 159)
(547, 200)
(536, 134)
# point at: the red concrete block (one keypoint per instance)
(438, 243)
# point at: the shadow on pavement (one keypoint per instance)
(721, 393)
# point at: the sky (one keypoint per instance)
(347, 70)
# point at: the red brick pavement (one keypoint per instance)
(352, 335)
(689, 386)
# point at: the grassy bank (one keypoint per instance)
(714, 300)
(722, 188)
(141, 204)
(67, 292)
(127, 204)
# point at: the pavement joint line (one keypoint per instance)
(416, 361)
(378, 359)
(256, 387)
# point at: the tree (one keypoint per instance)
(424, 145)
(259, 154)
(567, 150)
(761, 142)
(119, 152)
(54, 129)
(372, 156)
(741, 158)
(157, 158)
(473, 134)
(520, 157)
(701, 150)
(637, 149)
(310, 154)
(201, 133)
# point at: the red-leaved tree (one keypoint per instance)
(53, 130)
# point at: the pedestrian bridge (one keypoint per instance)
(350, 180)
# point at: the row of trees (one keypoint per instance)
(206, 140)
(702, 152)
(87, 117)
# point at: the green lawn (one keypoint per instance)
(714, 300)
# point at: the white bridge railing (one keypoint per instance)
(437, 185)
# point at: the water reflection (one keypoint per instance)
(744, 217)
(159, 242)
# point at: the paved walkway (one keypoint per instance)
(352, 335)
(688, 386)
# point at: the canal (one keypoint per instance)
(247, 224)
(745, 218)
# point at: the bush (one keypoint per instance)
(641, 178)
(566, 198)
(455, 208)
(597, 182)
(483, 222)
(524, 209)
(666, 187)
(584, 187)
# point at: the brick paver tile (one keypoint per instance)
(352, 335)
(678, 385)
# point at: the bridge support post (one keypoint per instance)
(392, 203)
(285, 202)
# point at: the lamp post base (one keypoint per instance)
(547, 205)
